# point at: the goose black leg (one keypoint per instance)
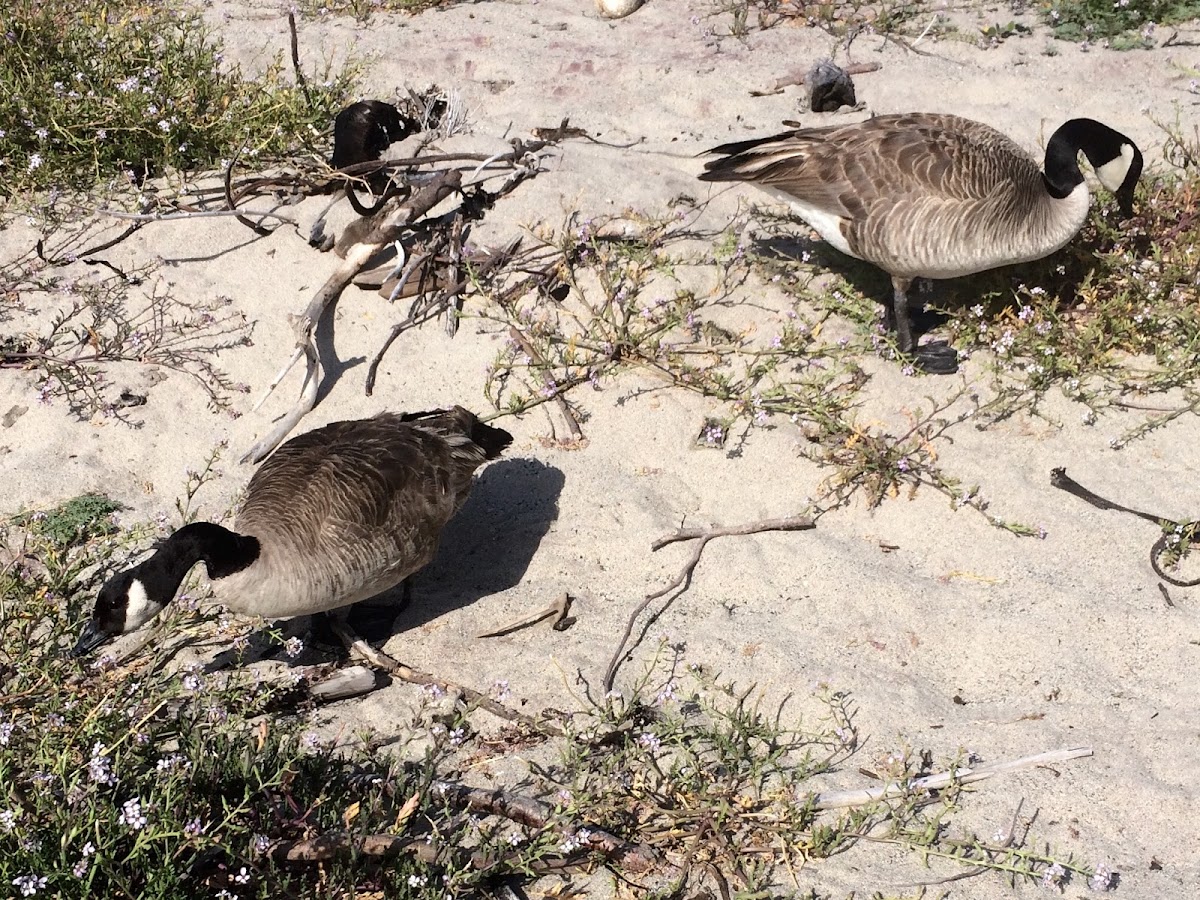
(937, 357)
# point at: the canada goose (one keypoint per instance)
(924, 194)
(361, 132)
(336, 515)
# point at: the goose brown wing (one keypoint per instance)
(377, 486)
(854, 170)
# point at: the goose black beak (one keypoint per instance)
(91, 638)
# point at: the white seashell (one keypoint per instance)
(617, 9)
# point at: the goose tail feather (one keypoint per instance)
(465, 425)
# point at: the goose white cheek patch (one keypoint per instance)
(138, 608)
(1112, 173)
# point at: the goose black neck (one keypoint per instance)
(222, 551)
(1099, 143)
(1062, 174)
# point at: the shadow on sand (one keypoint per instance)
(485, 549)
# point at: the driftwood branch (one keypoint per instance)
(295, 48)
(481, 265)
(964, 775)
(389, 229)
(703, 536)
(383, 661)
(190, 214)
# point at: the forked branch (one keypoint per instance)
(703, 535)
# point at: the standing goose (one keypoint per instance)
(335, 516)
(924, 194)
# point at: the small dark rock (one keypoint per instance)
(829, 87)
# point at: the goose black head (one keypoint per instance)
(1116, 159)
(363, 130)
(1120, 175)
(127, 601)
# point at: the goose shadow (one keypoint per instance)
(486, 548)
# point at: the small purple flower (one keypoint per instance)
(29, 885)
(294, 647)
(1103, 878)
(194, 828)
(100, 766)
(192, 682)
(1054, 877)
(132, 815)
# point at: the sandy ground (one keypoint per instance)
(1056, 643)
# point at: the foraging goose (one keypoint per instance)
(335, 516)
(361, 132)
(924, 194)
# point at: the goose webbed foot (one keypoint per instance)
(936, 358)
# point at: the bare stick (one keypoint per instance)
(790, 523)
(308, 399)
(703, 535)
(383, 661)
(519, 336)
(965, 775)
(278, 378)
(921, 37)
(343, 844)
(295, 41)
(452, 298)
(199, 214)
(559, 609)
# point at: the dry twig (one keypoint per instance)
(389, 229)
(536, 359)
(525, 810)
(964, 775)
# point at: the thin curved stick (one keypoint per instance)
(704, 535)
